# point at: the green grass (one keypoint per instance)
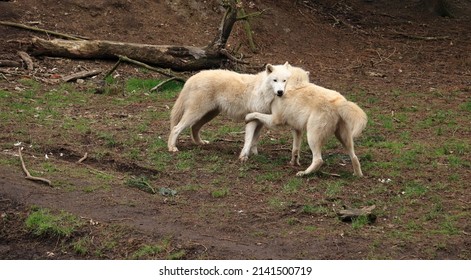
(293, 185)
(219, 193)
(43, 222)
(148, 251)
(359, 222)
(333, 189)
(141, 183)
(415, 189)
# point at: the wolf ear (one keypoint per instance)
(269, 68)
(287, 64)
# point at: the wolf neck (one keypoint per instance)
(262, 94)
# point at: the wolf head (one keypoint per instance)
(277, 76)
(299, 78)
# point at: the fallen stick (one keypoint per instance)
(83, 158)
(425, 38)
(22, 26)
(27, 59)
(112, 69)
(331, 174)
(82, 74)
(161, 84)
(28, 175)
(142, 64)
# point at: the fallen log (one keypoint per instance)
(179, 58)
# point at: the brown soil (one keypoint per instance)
(378, 47)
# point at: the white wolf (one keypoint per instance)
(320, 111)
(211, 92)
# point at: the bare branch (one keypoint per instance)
(36, 29)
(28, 175)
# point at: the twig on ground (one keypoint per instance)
(112, 69)
(330, 174)
(337, 21)
(80, 75)
(4, 77)
(426, 38)
(27, 59)
(28, 175)
(22, 26)
(160, 71)
(161, 84)
(83, 158)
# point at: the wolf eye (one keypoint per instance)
(275, 80)
(284, 81)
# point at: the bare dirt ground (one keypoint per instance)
(378, 49)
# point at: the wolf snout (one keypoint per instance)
(279, 93)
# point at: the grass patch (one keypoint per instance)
(219, 193)
(293, 185)
(415, 189)
(148, 251)
(141, 183)
(333, 188)
(42, 222)
(359, 222)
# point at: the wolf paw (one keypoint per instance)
(301, 173)
(243, 158)
(173, 149)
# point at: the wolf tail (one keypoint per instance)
(177, 111)
(353, 116)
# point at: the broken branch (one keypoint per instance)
(112, 69)
(27, 59)
(426, 38)
(83, 158)
(28, 175)
(80, 75)
(36, 29)
(160, 71)
(157, 87)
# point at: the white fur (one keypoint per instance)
(211, 92)
(321, 112)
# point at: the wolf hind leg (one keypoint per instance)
(345, 137)
(297, 139)
(195, 128)
(188, 119)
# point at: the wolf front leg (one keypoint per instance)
(250, 134)
(265, 119)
